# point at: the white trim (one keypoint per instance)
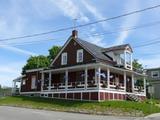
(106, 91)
(34, 70)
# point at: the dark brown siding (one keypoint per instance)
(71, 50)
(27, 86)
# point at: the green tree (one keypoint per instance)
(137, 65)
(36, 62)
(53, 52)
(41, 61)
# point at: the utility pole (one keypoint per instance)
(74, 23)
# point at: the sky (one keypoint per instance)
(25, 17)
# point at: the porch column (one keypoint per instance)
(131, 61)
(50, 78)
(66, 80)
(108, 77)
(125, 59)
(99, 77)
(144, 83)
(86, 77)
(132, 82)
(42, 82)
(125, 80)
(20, 85)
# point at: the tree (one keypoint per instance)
(53, 52)
(41, 61)
(137, 65)
(36, 62)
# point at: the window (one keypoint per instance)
(79, 56)
(64, 59)
(155, 74)
(33, 82)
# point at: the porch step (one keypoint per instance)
(133, 97)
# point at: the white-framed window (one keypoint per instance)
(64, 58)
(80, 55)
(33, 82)
(155, 74)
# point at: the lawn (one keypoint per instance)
(127, 108)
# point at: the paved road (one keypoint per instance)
(13, 113)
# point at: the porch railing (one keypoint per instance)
(91, 84)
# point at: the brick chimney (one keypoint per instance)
(74, 33)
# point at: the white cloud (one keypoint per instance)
(151, 62)
(17, 50)
(94, 11)
(70, 10)
(128, 21)
(9, 72)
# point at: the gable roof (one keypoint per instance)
(94, 49)
(118, 47)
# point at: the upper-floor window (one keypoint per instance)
(80, 55)
(155, 74)
(64, 58)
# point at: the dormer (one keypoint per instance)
(121, 55)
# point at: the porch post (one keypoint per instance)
(66, 80)
(132, 82)
(144, 83)
(125, 59)
(20, 85)
(131, 61)
(42, 81)
(125, 80)
(86, 77)
(99, 77)
(50, 78)
(108, 77)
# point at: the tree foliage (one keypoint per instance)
(137, 65)
(53, 52)
(36, 62)
(41, 61)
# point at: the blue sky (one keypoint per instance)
(24, 17)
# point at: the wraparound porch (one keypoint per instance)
(92, 77)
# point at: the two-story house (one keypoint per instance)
(154, 82)
(85, 71)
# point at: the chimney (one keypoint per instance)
(74, 33)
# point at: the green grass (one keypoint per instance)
(106, 107)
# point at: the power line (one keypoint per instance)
(82, 25)
(126, 29)
(95, 34)
(148, 44)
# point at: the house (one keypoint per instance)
(154, 82)
(85, 71)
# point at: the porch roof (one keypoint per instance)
(91, 66)
(18, 79)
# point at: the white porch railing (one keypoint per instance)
(81, 85)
